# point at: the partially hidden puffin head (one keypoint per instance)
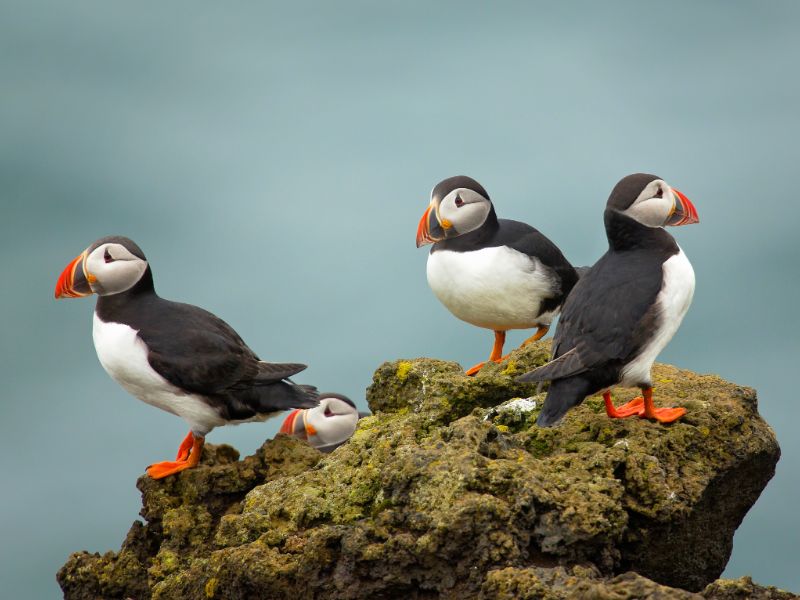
(326, 426)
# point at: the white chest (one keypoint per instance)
(496, 288)
(124, 357)
(672, 303)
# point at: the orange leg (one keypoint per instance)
(192, 457)
(634, 407)
(540, 333)
(185, 447)
(662, 415)
(495, 356)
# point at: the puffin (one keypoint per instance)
(326, 426)
(177, 357)
(625, 310)
(493, 273)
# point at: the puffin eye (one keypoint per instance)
(459, 202)
(659, 193)
(107, 256)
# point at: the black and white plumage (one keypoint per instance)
(175, 356)
(492, 273)
(625, 310)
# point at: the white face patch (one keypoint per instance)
(464, 209)
(654, 205)
(333, 419)
(111, 269)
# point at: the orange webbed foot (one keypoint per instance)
(664, 415)
(167, 468)
(495, 356)
(634, 407)
(629, 409)
(189, 453)
(472, 371)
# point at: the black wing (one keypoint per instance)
(606, 317)
(528, 240)
(199, 352)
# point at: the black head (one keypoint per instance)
(628, 189)
(121, 240)
(109, 266)
(341, 397)
(651, 201)
(445, 186)
(458, 205)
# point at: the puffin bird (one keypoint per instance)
(626, 309)
(326, 426)
(177, 357)
(493, 273)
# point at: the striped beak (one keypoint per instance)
(430, 229)
(293, 425)
(683, 211)
(73, 283)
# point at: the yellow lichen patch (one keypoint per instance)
(511, 368)
(211, 586)
(403, 367)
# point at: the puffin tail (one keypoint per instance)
(309, 395)
(562, 395)
(284, 395)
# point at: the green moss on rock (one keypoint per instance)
(451, 491)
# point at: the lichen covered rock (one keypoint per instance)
(182, 514)
(450, 490)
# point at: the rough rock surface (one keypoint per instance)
(451, 491)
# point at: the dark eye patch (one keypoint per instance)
(659, 193)
(107, 256)
(459, 202)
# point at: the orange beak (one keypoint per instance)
(288, 426)
(72, 283)
(424, 230)
(684, 212)
(430, 229)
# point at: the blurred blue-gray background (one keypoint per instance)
(273, 160)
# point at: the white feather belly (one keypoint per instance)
(672, 303)
(496, 288)
(124, 357)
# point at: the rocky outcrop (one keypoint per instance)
(451, 491)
